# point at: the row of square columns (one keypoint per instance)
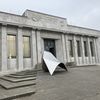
(76, 59)
(35, 48)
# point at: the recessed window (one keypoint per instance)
(85, 49)
(11, 44)
(78, 48)
(92, 48)
(26, 47)
(70, 48)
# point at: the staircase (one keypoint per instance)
(16, 85)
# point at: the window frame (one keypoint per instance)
(85, 49)
(92, 48)
(29, 47)
(71, 53)
(11, 57)
(78, 48)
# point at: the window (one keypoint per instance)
(26, 47)
(11, 44)
(78, 48)
(91, 48)
(85, 49)
(70, 48)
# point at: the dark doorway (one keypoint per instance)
(49, 45)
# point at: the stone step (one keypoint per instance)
(20, 76)
(16, 93)
(10, 85)
(17, 80)
(27, 72)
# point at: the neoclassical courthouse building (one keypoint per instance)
(24, 38)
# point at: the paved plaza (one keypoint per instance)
(81, 83)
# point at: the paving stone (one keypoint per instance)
(11, 85)
(17, 80)
(15, 93)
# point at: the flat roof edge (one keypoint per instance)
(46, 14)
(83, 27)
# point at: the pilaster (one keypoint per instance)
(96, 53)
(33, 48)
(82, 51)
(3, 48)
(75, 50)
(67, 49)
(64, 49)
(20, 49)
(38, 42)
(89, 50)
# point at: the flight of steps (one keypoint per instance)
(16, 85)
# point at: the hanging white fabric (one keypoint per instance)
(52, 62)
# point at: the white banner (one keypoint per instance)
(52, 62)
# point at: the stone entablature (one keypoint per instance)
(43, 21)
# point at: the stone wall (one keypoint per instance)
(45, 20)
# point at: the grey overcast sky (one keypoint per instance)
(85, 13)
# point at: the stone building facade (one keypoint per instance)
(24, 38)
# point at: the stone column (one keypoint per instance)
(95, 51)
(64, 49)
(39, 51)
(82, 50)
(33, 49)
(75, 50)
(89, 51)
(20, 49)
(0, 49)
(67, 49)
(3, 48)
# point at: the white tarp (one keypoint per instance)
(52, 62)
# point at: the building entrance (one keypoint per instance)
(49, 45)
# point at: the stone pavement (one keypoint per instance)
(81, 83)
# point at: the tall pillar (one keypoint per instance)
(20, 49)
(39, 51)
(67, 49)
(89, 51)
(82, 50)
(0, 49)
(33, 48)
(75, 50)
(3, 49)
(64, 49)
(95, 50)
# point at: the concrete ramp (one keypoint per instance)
(52, 62)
